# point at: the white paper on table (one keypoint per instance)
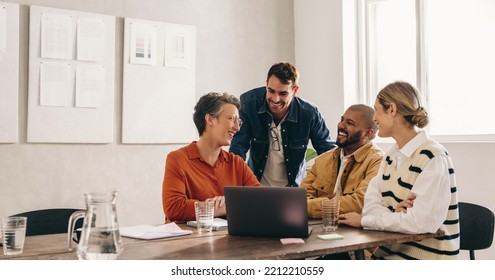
(153, 232)
(218, 224)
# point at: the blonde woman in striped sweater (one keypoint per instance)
(415, 189)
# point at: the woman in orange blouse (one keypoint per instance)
(201, 170)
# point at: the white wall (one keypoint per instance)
(319, 56)
(322, 55)
(237, 42)
(326, 55)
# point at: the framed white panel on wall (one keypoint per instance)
(71, 76)
(9, 72)
(159, 82)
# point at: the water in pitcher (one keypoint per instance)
(103, 245)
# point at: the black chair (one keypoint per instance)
(476, 227)
(48, 221)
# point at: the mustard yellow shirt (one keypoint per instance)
(320, 181)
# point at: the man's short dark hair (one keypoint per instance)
(285, 72)
(368, 116)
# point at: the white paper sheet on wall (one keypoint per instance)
(143, 48)
(3, 31)
(90, 39)
(9, 72)
(56, 36)
(55, 83)
(90, 85)
(177, 47)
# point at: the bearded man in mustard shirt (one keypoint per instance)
(346, 170)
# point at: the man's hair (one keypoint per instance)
(211, 104)
(285, 72)
(368, 116)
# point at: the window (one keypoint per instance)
(445, 48)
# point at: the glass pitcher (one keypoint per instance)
(100, 237)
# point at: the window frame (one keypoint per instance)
(365, 79)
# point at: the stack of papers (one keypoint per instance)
(153, 232)
(218, 224)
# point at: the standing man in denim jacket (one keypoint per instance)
(277, 127)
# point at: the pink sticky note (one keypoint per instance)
(286, 241)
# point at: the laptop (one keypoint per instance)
(266, 211)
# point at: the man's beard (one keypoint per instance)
(353, 139)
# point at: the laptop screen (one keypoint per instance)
(266, 211)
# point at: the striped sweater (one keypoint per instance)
(397, 187)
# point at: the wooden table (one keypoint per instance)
(218, 245)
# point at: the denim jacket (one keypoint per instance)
(303, 122)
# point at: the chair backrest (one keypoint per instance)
(476, 227)
(48, 221)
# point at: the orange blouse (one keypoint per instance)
(188, 178)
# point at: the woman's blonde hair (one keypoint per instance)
(408, 101)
